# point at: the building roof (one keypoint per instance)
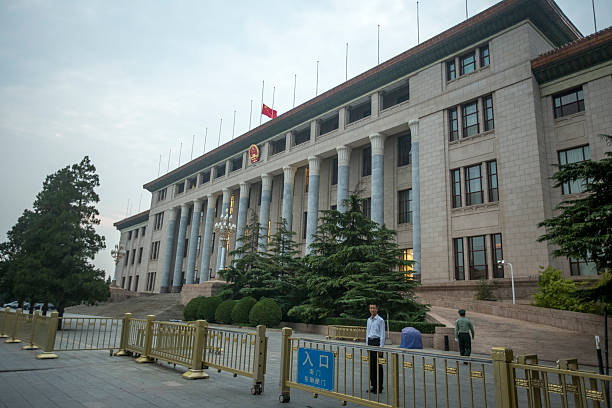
(133, 220)
(544, 14)
(574, 56)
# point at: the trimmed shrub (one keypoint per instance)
(267, 312)
(224, 311)
(393, 325)
(240, 313)
(208, 307)
(485, 290)
(191, 309)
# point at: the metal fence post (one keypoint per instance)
(51, 333)
(146, 357)
(532, 375)
(196, 371)
(572, 364)
(395, 399)
(259, 365)
(285, 365)
(125, 333)
(505, 392)
(205, 346)
(3, 329)
(13, 338)
(31, 346)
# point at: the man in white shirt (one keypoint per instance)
(375, 336)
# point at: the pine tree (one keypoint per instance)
(354, 263)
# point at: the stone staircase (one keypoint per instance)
(164, 306)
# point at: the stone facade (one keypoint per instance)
(520, 144)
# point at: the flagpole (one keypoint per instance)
(180, 151)
(294, 84)
(192, 142)
(127, 209)
(418, 28)
(594, 20)
(346, 64)
(205, 137)
(169, 154)
(159, 166)
(234, 124)
(261, 105)
(219, 141)
(251, 114)
(378, 41)
(317, 83)
(140, 201)
(466, 11)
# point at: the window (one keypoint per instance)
(328, 125)
(218, 206)
(470, 118)
(191, 183)
(400, 93)
(140, 255)
(189, 215)
(277, 146)
(451, 70)
(456, 188)
(467, 63)
(186, 248)
(492, 181)
(458, 255)
(569, 156)
(403, 150)
(236, 163)
(473, 185)
(366, 207)
(334, 171)
(123, 282)
(158, 221)
(220, 170)
(127, 257)
(487, 103)
(205, 177)
(404, 199)
(155, 250)
(306, 179)
(453, 125)
(144, 231)
(582, 268)
(304, 224)
(301, 136)
(136, 233)
(150, 284)
(180, 187)
(136, 279)
(484, 56)
(129, 285)
(366, 161)
(498, 255)
(478, 257)
(129, 236)
(359, 111)
(212, 243)
(199, 244)
(568, 102)
(133, 256)
(231, 209)
(161, 194)
(407, 255)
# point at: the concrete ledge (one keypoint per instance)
(208, 288)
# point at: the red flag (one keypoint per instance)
(269, 112)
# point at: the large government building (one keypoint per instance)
(452, 143)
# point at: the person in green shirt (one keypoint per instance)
(463, 327)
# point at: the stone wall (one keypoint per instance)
(209, 288)
(466, 290)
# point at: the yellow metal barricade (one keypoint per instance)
(354, 333)
(3, 323)
(88, 333)
(13, 326)
(386, 377)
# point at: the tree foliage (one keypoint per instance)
(583, 228)
(353, 263)
(48, 253)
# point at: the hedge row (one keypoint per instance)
(247, 310)
(393, 325)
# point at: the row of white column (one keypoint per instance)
(174, 283)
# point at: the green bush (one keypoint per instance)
(240, 313)
(208, 307)
(191, 309)
(393, 325)
(266, 312)
(485, 290)
(224, 311)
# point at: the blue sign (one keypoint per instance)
(316, 368)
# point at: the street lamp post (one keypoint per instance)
(503, 262)
(117, 253)
(224, 229)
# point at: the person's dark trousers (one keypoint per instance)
(465, 344)
(373, 364)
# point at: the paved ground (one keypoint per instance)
(549, 343)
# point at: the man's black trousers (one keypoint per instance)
(465, 344)
(374, 364)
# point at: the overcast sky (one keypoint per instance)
(126, 81)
